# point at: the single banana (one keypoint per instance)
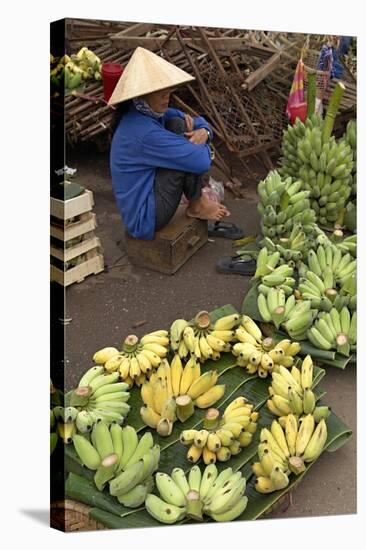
(316, 443)
(162, 511)
(180, 479)
(88, 455)
(169, 490)
(210, 397)
(304, 434)
(129, 444)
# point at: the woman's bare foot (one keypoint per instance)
(204, 209)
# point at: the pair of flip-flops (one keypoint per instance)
(228, 230)
(235, 264)
(238, 265)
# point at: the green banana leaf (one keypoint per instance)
(109, 512)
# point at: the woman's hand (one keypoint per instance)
(197, 136)
(189, 122)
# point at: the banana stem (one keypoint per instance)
(194, 505)
(278, 316)
(164, 427)
(296, 465)
(105, 471)
(337, 235)
(332, 110)
(343, 345)
(311, 95)
(130, 343)
(185, 407)
(331, 293)
(211, 420)
(202, 320)
(267, 343)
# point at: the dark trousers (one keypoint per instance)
(169, 185)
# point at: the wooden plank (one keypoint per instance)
(86, 223)
(261, 73)
(134, 30)
(64, 255)
(223, 44)
(78, 273)
(65, 210)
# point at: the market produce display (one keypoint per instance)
(236, 392)
(223, 437)
(218, 495)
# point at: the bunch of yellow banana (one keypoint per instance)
(218, 495)
(173, 391)
(202, 339)
(222, 438)
(117, 456)
(283, 451)
(262, 355)
(137, 359)
(291, 392)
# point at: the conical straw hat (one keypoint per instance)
(146, 72)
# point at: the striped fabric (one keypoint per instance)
(297, 88)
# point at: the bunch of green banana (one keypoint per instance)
(283, 451)
(173, 391)
(271, 306)
(137, 358)
(282, 203)
(272, 274)
(335, 330)
(81, 67)
(348, 245)
(326, 173)
(223, 437)
(350, 137)
(291, 392)
(120, 458)
(299, 317)
(339, 261)
(217, 495)
(294, 247)
(290, 161)
(202, 339)
(99, 396)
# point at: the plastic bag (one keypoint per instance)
(214, 190)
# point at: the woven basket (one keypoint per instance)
(69, 515)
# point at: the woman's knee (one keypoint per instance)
(176, 125)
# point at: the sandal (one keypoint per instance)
(237, 265)
(224, 229)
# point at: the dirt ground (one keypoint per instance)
(104, 308)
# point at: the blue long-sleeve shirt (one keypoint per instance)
(140, 145)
